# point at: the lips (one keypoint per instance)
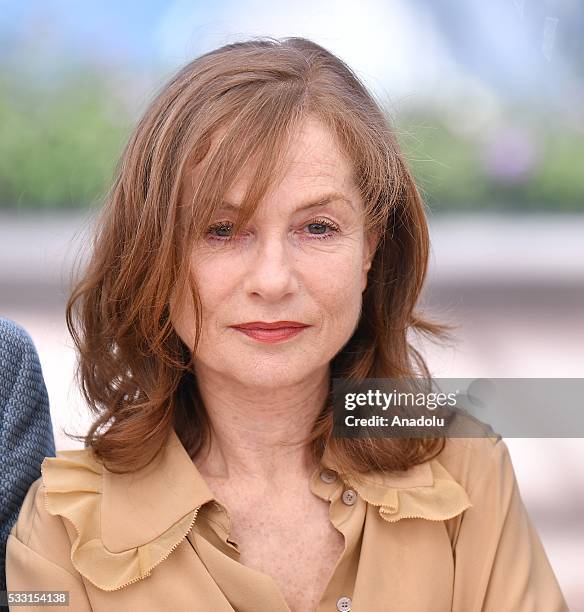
(278, 331)
(266, 325)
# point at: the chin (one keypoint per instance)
(269, 375)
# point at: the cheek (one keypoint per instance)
(182, 318)
(209, 282)
(213, 281)
(337, 286)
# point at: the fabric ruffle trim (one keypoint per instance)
(73, 488)
(441, 501)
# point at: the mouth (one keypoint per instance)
(266, 325)
(271, 332)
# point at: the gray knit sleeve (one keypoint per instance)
(26, 433)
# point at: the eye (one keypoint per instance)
(321, 225)
(223, 229)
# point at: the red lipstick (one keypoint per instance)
(277, 331)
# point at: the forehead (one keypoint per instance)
(313, 161)
(314, 166)
(314, 150)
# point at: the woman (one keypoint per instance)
(263, 236)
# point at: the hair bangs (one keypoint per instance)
(255, 140)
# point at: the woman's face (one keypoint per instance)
(290, 263)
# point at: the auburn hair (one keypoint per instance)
(134, 371)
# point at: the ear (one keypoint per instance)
(371, 243)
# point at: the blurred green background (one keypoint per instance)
(487, 100)
(58, 148)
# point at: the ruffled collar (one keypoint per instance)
(127, 524)
(426, 491)
(151, 499)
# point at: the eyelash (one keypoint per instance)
(326, 222)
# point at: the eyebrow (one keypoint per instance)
(312, 203)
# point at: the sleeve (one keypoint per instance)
(26, 433)
(38, 555)
(500, 562)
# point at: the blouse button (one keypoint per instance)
(349, 498)
(328, 476)
(344, 604)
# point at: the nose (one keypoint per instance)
(272, 271)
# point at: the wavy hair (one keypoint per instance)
(134, 371)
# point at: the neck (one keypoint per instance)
(256, 436)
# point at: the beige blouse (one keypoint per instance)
(450, 534)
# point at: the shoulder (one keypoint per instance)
(42, 532)
(19, 354)
(472, 460)
(71, 486)
(31, 507)
(64, 497)
(71, 472)
(113, 528)
(482, 467)
(14, 336)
